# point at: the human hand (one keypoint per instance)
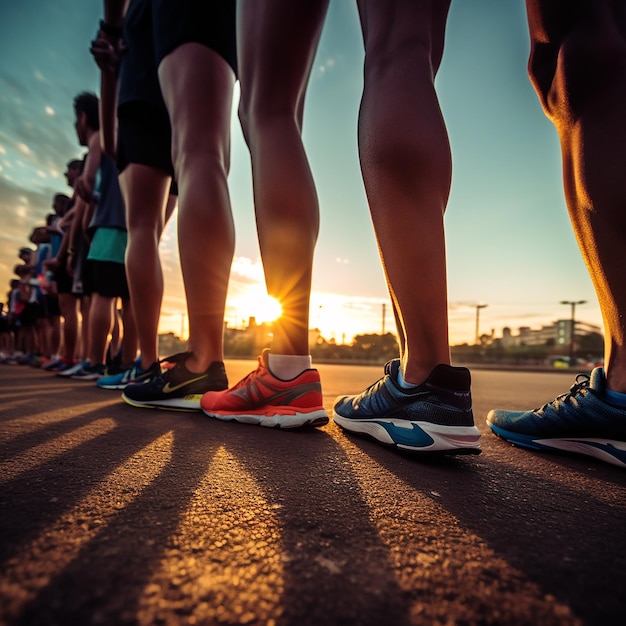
(106, 52)
(84, 188)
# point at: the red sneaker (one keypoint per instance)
(261, 398)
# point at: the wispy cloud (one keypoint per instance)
(326, 66)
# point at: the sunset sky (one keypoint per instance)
(509, 240)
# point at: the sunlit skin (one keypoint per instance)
(273, 85)
(197, 85)
(403, 149)
(578, 68)
(406, 165)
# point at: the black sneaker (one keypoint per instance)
(435, 416)
(177, 388)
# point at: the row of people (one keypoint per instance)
(183, 59)
(32, 328)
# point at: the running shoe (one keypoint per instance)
(70, 371)
(62, 366)
(434, 417)
(89, 372)
(52, 365)
(262, 399)
(133, 374)
(176, 387)
(579, 421)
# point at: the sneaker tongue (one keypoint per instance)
(392, 367)
(597, 381)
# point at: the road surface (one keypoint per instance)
(113, 515)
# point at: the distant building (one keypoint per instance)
(557, 334)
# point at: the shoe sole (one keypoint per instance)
(285, 420)
(414, 436)
(67, 373)
(188, 404)
(607, 450)
(121, 386)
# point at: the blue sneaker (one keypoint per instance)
(134, 374)
(436, 416)
(579, 421)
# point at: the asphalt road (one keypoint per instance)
(113, 515)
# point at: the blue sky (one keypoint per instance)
(509, 241)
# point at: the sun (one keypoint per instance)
(269, 309)
(262, 307)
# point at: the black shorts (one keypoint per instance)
(144, 136)
(30, 314)
(208, 22)
(106, 278)
(50, 305)
(63, 279)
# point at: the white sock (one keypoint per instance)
(288, 366)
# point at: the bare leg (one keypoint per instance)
(84, 333)
(101, 314)
(273, 84)
(578, 67)
(129, 334)
(55, 335)
(406, 165)
(145, 195)
(197, 86)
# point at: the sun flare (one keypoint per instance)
(262, 307)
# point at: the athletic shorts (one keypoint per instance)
(63, 279)
(51, 306)
(80, 287)
(208, 22)
(106, 278)
(144, 136)
(30, 314)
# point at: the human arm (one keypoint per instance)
(107, 49)
(85, 182)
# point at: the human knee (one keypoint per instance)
(569, 77)
(210, 157)
(260, 115)
(410, 58)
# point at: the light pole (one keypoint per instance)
(478, 308)
(384, 316)
(572, 333)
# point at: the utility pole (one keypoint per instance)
(478, 308)
(384, 315)
(572, 332)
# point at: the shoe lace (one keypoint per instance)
(251, 376)
(582, 382)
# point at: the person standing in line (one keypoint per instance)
(578, 68)
(143, 154)
(422, 403)
(104, 271)
(284, 390)
(68, 302)
(196, 56)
